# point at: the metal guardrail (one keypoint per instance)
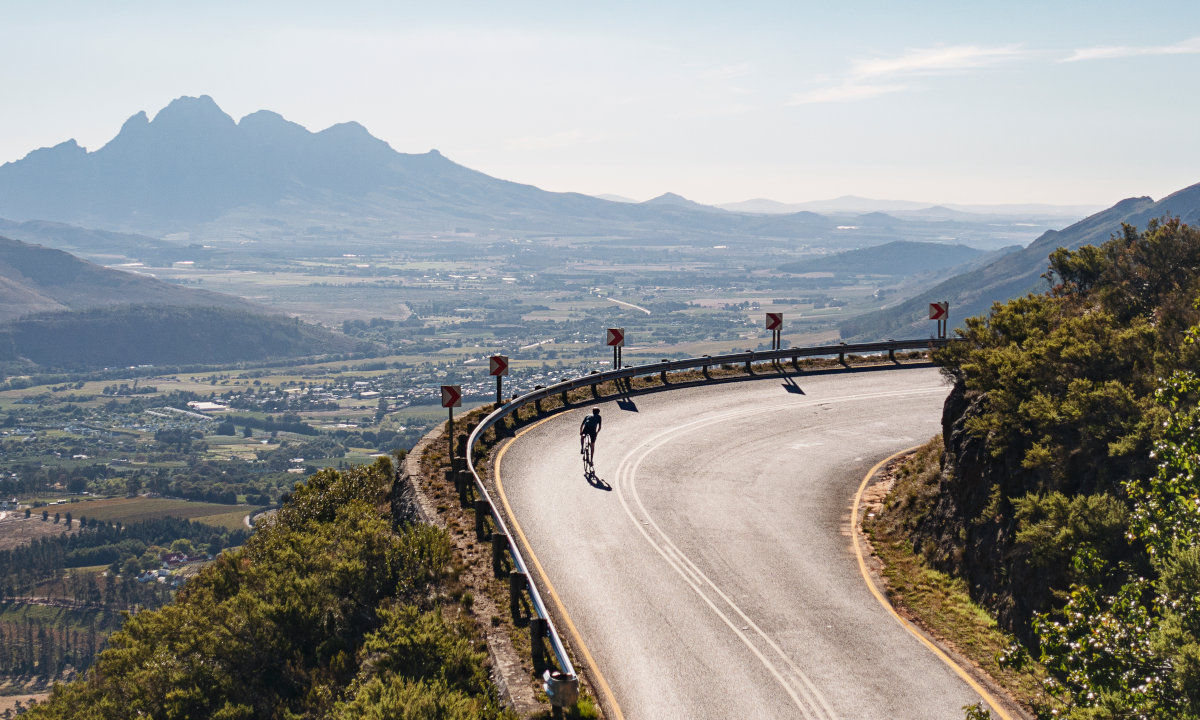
(564, 685)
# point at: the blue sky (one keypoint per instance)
(1060, 102)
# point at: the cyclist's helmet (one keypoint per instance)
(595, 411)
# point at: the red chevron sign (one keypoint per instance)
(498, 365)
(939, 310)
(615, 337)
(774, 321)
(451, 396)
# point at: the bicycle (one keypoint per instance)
(586, 451)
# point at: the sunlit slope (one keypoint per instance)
(973, 293)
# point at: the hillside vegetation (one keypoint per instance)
(39, 279)
(160, 335)
(1068, 498)
(327, 612)
(901, 257)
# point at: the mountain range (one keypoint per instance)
(1018, 273)
(194, 169)
(853, 204)
(193, 164)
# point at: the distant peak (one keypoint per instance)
(65, 149)
(192, 101)
(263, 116)
(192, 110)
(352, 134)
(135, 121)
(346, 128)
(271, 123)
(670, 198)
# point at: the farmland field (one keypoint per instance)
(16, 529)
(133, 509)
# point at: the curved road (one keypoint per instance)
(709, 568)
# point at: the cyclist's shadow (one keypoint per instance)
(595, 480)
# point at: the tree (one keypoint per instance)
(1136, 652)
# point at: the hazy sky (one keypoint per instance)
(1064, 102)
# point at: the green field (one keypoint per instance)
(127, 510)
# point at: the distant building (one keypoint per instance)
(205, 406)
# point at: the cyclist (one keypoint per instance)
(591, 428)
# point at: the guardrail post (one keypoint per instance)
(538, 629)
(842, 355)
(704, 370)
(796, 362)
(499, 544)
(892, 354)
(562, 689)
(749, 365)
(517, 583)
(482, 511)
(566, 402)
(662, 374)
(462, 483)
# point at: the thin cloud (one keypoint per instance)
(1190, 46)
(939, 60)
(872, 77)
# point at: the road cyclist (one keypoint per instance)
(588, 430)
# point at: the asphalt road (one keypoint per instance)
(708, 567)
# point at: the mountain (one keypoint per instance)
(38, 279)
(60, 312)
(853, 204)
(615, 198)
(193, 169)
(92, 243)
(678, 201)
(973, 292)
(127, 335)
(899, 258)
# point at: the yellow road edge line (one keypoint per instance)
(912, 629)
(576, 639)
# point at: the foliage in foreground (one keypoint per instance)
(1135, 653)
(325, 612)
(1070, 499)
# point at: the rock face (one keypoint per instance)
(961, 534)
